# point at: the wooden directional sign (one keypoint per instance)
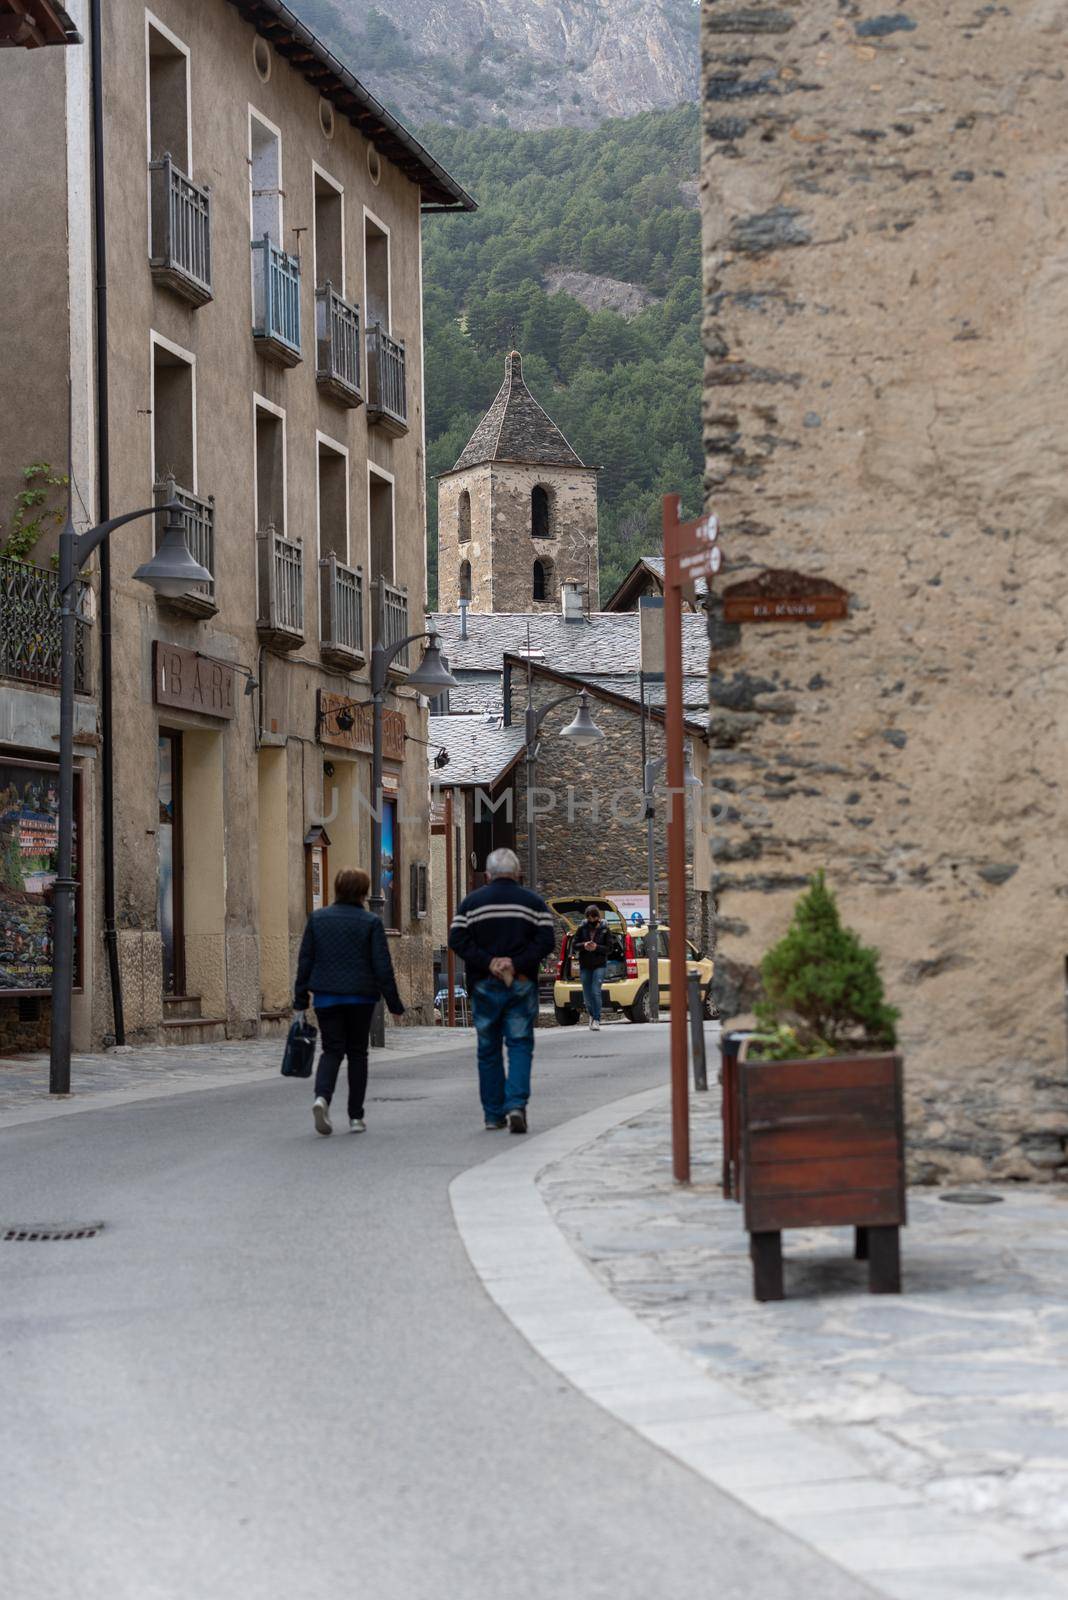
(691, 552)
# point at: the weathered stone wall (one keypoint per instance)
(502, 551)
(885, 338)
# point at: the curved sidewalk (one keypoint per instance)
(821, 1494)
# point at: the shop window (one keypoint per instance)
(390, 866)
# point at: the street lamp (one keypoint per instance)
(432, 677)
(170, 572)
(652, 771)
(581, 729)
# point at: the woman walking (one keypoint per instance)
(344, 962)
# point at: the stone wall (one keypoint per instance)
(501, 549)
(885, 342)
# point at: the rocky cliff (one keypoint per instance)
(886, 337)
(521, 63)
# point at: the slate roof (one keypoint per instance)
(515, 428)
(604, 645)
(479, 748)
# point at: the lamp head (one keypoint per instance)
(432, 675)
(582, 728)
(172, 571)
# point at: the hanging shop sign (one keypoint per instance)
(779, 595)
(191, 682)
(29, 835)
(346, 724)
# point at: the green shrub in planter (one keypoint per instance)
(823, 989)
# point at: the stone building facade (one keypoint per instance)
(262, 217)
(517, 514)
(885, 342)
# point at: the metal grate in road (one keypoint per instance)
(42, 1232)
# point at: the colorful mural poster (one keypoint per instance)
(29, 832)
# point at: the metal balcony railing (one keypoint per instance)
(391, 622)
(281, 589)
(387, 392)
(337, 345)
(341, 611)
(181, 232)
(276, 301)
(30, 626)
(198, 517)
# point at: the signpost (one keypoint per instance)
(690, 552)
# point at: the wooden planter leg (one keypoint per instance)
(860, 1249)
(766, 1252)
(884, 1261)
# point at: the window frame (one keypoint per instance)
(190, 360)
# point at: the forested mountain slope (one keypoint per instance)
(616, 202)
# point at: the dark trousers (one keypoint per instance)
(345, 1031)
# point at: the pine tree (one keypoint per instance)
(821, 973)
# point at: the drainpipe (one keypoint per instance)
(103, 470)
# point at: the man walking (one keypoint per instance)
(502, 933)
(591, 942)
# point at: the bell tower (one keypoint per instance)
(517, 514)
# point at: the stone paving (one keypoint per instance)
(138, 1073)
(957, 1390)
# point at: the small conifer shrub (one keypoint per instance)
(822, 988)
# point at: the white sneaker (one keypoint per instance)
(357, 1125)
(595, 1027)
(321, 1113)
(592, 1024)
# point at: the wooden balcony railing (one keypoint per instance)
(337, 346)
(341, 613)
(275, 302)
(30, 626)
(387, 392)
(198, 516)
(391, 619)
(281, 590)
(181, 232)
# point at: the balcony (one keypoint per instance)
(198, 520)
(281, 590)
(387, 392)
(181, 232)
(337, 346)
(275, 303)
(341, 613)
(30, 626)
(391, 620)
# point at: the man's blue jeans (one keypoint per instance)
(592, 983)
(503, 1017)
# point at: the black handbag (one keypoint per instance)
(299, 1054)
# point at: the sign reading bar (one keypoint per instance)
(779, 595)
(358, 737)
(190, 681)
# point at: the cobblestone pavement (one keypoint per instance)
(157, 1070)
(956, 1390)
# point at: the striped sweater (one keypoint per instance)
(502, 919)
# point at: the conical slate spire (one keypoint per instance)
(515, 428)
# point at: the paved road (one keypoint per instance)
(275, 1377)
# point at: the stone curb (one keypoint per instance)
(43, 1110)
(888, 1538)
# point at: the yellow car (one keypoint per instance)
(626, 975)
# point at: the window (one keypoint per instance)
(380, 507)
(419, 895)
(376, 273)
(261, 58)
(465, 580)
(374, 165)
(270, 470)
(173, 425)
(540, 506)
(329, 233)
(463, 516)
(333, 502)
(168, 98)
(390, 866)
(326, 118)
(266, 156)
(542, 580)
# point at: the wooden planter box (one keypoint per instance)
(822, 1144)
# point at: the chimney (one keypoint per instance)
(571, 602)
(463, 618)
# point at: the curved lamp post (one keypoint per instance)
(431, 676)
(581, 729)
(170, 572)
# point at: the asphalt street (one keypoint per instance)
(275, 1376)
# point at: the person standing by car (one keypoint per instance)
(591, 942)
(344, 961)
(502, 933)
